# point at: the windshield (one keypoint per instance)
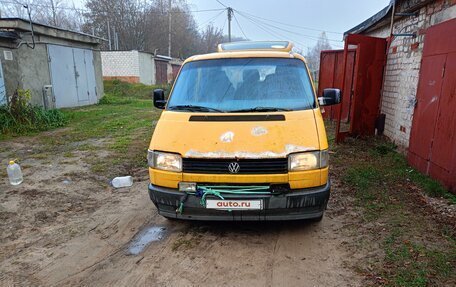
(243, 84)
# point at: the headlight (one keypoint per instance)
(308, 160)
(164, 160)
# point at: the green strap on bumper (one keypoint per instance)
(217, 191)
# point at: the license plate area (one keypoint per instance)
(256, 204)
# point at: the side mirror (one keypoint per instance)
(330, 97)
(159, 99)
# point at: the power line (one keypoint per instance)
(206, 10)
(247, 15)
(278, 28)
(211, 19)
(224, 23)
(273, 33)
(292, 32)
(291, 25)
(221, 4)
(240, 28)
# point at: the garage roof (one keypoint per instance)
(372, 20)
(22, 25)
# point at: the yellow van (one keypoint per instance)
(241, 137)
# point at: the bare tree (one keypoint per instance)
(56, 13)
(210, 38)
(13, 9)
(122, 21)
(143, 25)
(313, 55)
(184, 33)
(128, 24)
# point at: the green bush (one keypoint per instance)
(20, 117)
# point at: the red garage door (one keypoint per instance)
(358, 72)
(176, 69)
(331, 76)
(161, 72)
(432, 147)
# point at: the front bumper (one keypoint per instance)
(297, 204)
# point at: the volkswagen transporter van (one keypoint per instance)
(241, 137)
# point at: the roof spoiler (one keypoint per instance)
(283, 46)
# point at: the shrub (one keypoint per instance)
(21, 117)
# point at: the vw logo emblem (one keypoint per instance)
(234, 167)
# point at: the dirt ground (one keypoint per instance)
(65, 226)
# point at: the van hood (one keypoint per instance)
(259, 135)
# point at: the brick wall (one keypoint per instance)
(119, 64)
(403, 65)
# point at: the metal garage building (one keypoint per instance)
(139, 67)
(61, 68)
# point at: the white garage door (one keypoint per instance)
(72, 76)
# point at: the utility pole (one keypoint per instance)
(230, 15)
(117, 41)
(169, 28)
(114, 34)
(109, 37)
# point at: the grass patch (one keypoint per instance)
(124, 91)
(414, 264)
(399, 169)
(121, 124)
(367, 181)
(124, 109)
(19, 117)
(363, 177)
(124, 116)
(417, 250)
(384, 165)
(430, 186)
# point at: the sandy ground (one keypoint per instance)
(66, 227)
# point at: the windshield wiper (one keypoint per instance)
(262, 109)
(195, 108)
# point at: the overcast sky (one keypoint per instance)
(328, 15)
(318, 15)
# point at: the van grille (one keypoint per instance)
(246, 166)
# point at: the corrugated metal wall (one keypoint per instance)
(72, 76)
(2, 87)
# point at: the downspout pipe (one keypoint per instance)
(31, 46)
